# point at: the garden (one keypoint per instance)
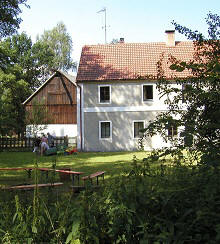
(144, 199)
(166, 196)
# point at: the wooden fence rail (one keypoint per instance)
(27, 143)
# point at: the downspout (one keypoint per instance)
(80, 109)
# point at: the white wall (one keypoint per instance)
(60, 130)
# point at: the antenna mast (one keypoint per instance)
(105, 26)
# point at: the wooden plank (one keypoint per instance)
(69, 172)
(58, 102)
(33, 186)
(96, 174)
(16, 169)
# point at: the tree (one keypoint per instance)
(60, 43)
(32, 58)
(9, 20)
(199, 115)
(21, 73)
(12, 92)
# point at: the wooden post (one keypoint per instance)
(66, 141)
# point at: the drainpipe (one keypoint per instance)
(80, 114)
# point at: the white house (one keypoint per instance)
(117, 95)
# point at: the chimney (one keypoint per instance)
(122, 40)
(170, 38)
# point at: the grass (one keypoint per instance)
(112, 162)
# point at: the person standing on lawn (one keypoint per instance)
(50, 139)
(44, 144)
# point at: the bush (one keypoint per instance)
(37, 219)
(165, 204)
(154, 205)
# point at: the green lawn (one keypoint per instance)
(112, 162)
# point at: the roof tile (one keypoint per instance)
(130, 61)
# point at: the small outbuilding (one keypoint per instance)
(58, 94)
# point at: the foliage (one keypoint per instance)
(19, 51)
(195, 104)
(37, 118)
(60, 43)
(9, 20)
(171, 203)
(24, 66)
(12, 91)
(20, 74)
(42, 218)
(165, 205)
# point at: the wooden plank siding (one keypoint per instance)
(60, 114)
(61, 109)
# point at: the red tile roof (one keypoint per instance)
(130, 61)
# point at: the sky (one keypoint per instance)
(133, 20)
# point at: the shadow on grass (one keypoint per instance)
(114, 163)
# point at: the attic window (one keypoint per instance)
(105, 94)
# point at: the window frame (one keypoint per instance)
(135, 121)
(100, 130)
(150, 99)
(99, 94)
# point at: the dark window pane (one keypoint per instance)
(185, 89)
(137, 127)
(105, 129)
(172, 130)
(147, 92)
(104, 94)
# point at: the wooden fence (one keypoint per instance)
(27, 143)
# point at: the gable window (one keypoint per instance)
(147, 92)
(104, 94)
(172, 131)
(137, 126)
(105, 130)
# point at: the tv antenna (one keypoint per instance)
(105, 26)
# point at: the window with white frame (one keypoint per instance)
(147, 92)
(105, 130)
(137, 127)
(105, 94)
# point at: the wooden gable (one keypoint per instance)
(58, 95)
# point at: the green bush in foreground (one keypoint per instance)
(37, 219)
(166, 204)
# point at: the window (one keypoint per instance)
(138, 125)
(185, 89)
(104, 94)
(172, 130)
(147, 92)
(105, 130)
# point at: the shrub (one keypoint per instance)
(154, 205)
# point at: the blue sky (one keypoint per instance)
(134, 20)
